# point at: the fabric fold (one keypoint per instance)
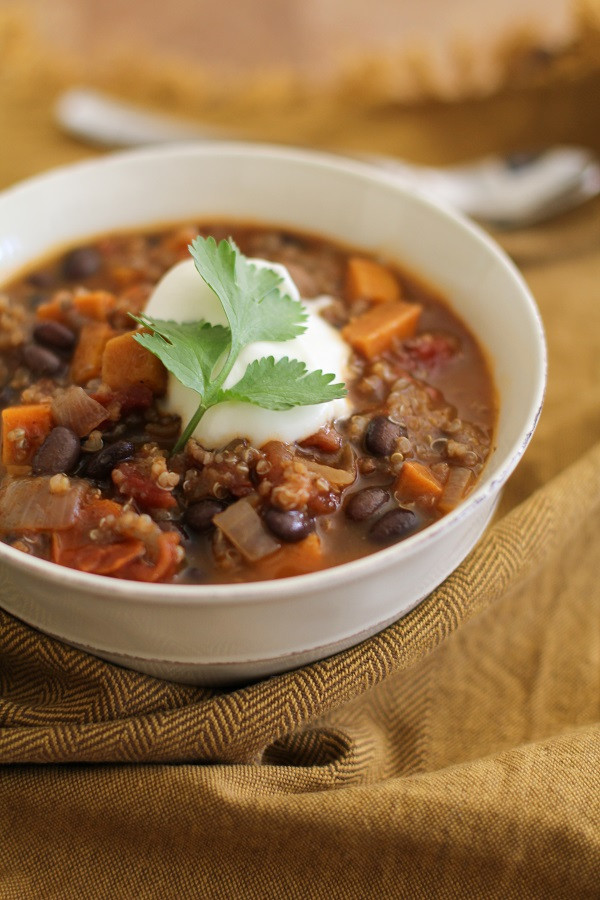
(456, 754)
(60, 705)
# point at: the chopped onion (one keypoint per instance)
(341, 477)
(347, 459)
(455, 488)
(29, 505)
(242, 525)
(76, 410)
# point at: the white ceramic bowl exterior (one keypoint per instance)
(227, 633)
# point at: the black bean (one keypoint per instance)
(43, 278)
(363, 504)
(381, 436)
(199, 516)
(40, 360)
(101, 464)
(288, 525)
(393, 525)
(81, 263)
(54, 334)
(59, 452)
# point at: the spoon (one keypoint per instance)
(512, 191)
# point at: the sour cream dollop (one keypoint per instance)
(182, 296)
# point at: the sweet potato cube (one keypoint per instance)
(126, 363)
(87, 358)
(416, 480)
(373, 331)
(24, 429)
(292, 559)
(95, 304)
(368, 280)
(54, 310)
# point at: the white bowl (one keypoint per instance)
(231, 633)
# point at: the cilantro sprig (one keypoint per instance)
(201, 355)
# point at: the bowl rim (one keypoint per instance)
(271, 590)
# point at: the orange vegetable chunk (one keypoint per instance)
(125, 363)
(55, 310)
(126, 557)
(416, 480)
(373, 332)
(87, 358)
(95, 304)
(293, 559)
(163, 567)
(24, 429)
(100, 559)
(368, 280)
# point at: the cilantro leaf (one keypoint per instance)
(201, 355)
(283, 385)
(255, 307)
(190, 350)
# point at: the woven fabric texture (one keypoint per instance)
(456, 754)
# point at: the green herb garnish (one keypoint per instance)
(201, 355)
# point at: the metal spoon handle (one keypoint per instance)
(510, 192)
(99, 119)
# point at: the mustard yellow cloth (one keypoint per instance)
(456, 754)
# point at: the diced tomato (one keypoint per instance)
(136, 396)
(325, 503)
(278, 455)
(74, 547)
(326, 439)
(131, 482)
(426, 349)
(123, 558)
